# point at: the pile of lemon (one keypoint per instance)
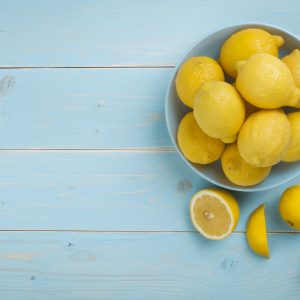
(242, 123)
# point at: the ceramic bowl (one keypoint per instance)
(175, 109)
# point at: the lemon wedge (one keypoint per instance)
(214, 213)
(257, 232)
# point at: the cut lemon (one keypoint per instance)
(214, 213)
(257, 232)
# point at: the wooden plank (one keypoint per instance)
(80, 108)
(106, 190)
(156, 266)
(109, 33)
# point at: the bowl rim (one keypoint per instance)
(252, 188)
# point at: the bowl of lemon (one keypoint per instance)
(232, 107)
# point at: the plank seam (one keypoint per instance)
(167, 66)
(131, 231)
(104, 150)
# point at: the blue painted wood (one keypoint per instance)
(110, 33)
(145, 266)
(108, 191)
(76, 108)
(124, 190)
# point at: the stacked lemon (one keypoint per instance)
(242, 123)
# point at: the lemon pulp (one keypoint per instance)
(214, 213)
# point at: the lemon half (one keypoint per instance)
(214, 213)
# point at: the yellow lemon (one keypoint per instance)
(293, 62)
(250, 109)
(193, 73)
(293, 152)
(264, 138)
(266, 82)
(214, 213)
(289, 206)
(257, 232)
(219, 110)
(238, 171)
(230, 139)
(195, 145)
(245, 43)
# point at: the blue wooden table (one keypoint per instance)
(93, 197)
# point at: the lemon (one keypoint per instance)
(289, 206)
(230, 139)
(193, 73)
(293, 152)
(240, 172)
(214, 213)
(293, 62)
(264, 138)
(250, 109)
(219, 110)
(257, 232)
(195, 145)
(245, 43)
(266, 82)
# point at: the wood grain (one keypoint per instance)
(79, 108)
(109, 33)
(151, 266)
(108, 190)
(92, 75)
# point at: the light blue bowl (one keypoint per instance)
(175, 110)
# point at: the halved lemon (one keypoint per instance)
(214, 213)
(257, 232)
